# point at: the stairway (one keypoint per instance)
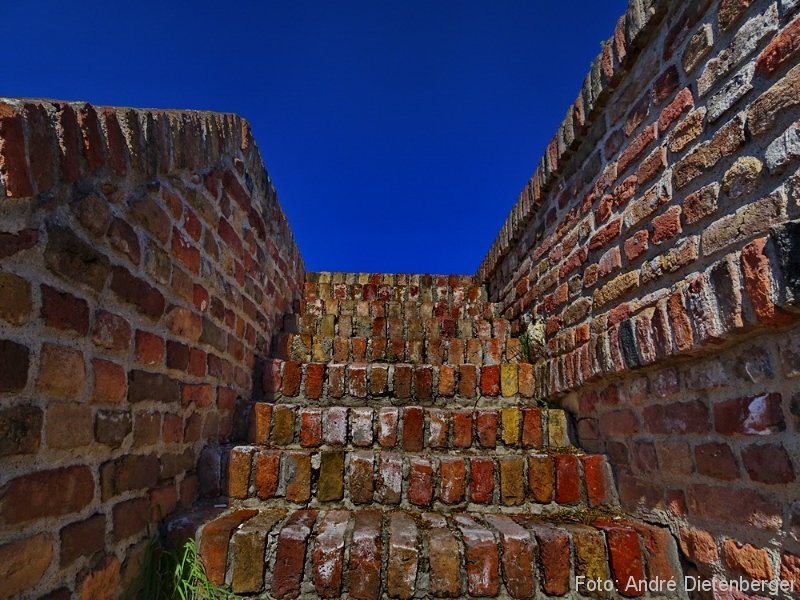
(400, 454)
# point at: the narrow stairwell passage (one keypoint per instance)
(399, 452)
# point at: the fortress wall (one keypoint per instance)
(145, 264)
(658, 246)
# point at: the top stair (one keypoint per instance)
(417, 319)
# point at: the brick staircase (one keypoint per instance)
(400, 453)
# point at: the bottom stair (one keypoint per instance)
(369, 554)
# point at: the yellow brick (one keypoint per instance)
(508, 379)
(510, 418)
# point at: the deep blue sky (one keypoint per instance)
(398, 133)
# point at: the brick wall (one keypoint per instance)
(145, 264)
(658, 243)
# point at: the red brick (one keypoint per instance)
(452, 477)
(665, 84)
(636, 148)
(532, 432)
(64, 311)
(625, 556)
(462, 428)
(267, 473)
(184, 323)
(481, 487)
(733, 505)
(420, 485)
(45, 494)
(768, 463)
(554, 555)
(13, 159)
(438, 426)
(213, 543)
(146, 212)
(291, 552)
(517, 556)
(111, 331)
(444, 556)
(413, 429)
(747, 560)
(605, 235)
(260, 423)
(328, 556)
(130, 518)
(150, 348)
(447, 381)
(110, 383)
(62, 372)
(699, 546)
(781, 49)
(403, 375)
(753, 415)
(619, 424)
(512, 480)
(423, 382)
(23, 562)
(682, 102)
(525, 380)
(596, 480)
(681, 325)
(568, 486)
(716, 460)
(147, 299)
(758, 282)
(310, 427)
(387, 427)
(403, 557)
(468, 379)
(653, 164)
(365, 556)
(667, 225)
(82, 538)
(361, 477)
(239, 461)
(315, 376)
(636, 245)
(481, 556)
(297, 473)
(292, 378)
(541, 478)
(12, 243)
(486, 426)
(357, 380)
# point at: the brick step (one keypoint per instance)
(369, 554)
(403, 382)
(455, 351)
(395, 286)
(411, 428)
(535, 482)
(408, 324)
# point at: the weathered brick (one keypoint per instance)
(43, 494)
(725, 142)
(23, 562)
(747, 560)
(365, 556)
(481, 556)
(328, 555)
(296, 474)
(82, 538)
(481, 487)
(444, 558)
(249, 545)
(763, 113)
(403, 556)
(554, 556)
(62, 372)
(768, 463)
(16, 305)
(16, 360)
(361, 477)
(517, 556)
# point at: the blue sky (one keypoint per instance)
(398, 133)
